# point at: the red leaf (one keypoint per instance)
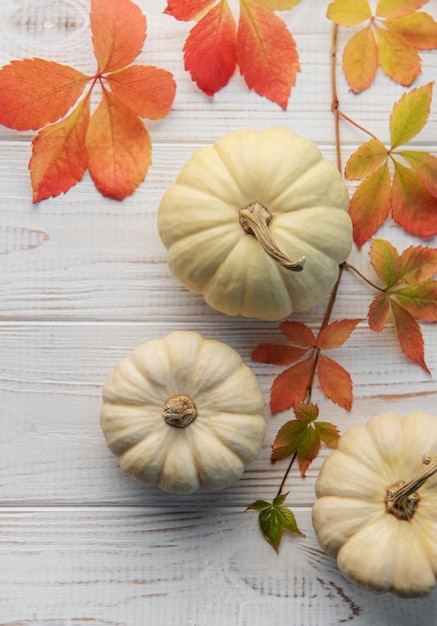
(384, 259)
(334, 335)
(305, 411)
(413, 207)
(148, 91)
(118, 147)
(409, 334)
(35, 92)
(291, 386)
(360, 59)
(379, 312)
(417, 264)
(266, 52)
(425, 167)
(210, 49)
(420, 300)
(187, 10)
(370, 205)
(278, 354)
(299, 334)
(59, 156)
(119, 32)
(335, 381)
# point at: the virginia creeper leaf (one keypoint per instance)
(370, 205)
(398, 8)
(335, 381)
(328, 433)
(187, 10)
(420, 300)
(409, 335)
(425, 166)
(274, 519)
(119, 149)
(291, 385)
(210, 49)
(398, 58)
(419, 29)
(305, 411)
(278, 354)
(146, 90)
(379, 312)
(36, 92)
(413, 207)
(335, 334)
(278, 5)
(410, 114)
(296, 436)
(119, 31)
(59, 157)
(360, 59)
(299, 334)
(417, 264)
(309, 447)
(384, 259)
(266, 52)
(347, 13)
(366, 160)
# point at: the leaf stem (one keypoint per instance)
(354, 123)
(287, 471)
(366, 280)
(335, 102)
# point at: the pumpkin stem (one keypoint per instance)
(402, 499)
(179, 411)
(255, 220)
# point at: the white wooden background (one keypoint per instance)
(83, 282)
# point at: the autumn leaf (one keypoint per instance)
(274, 518)
(409, 335)
(366, 160)
(379, 312)
(385, 260)
(292, 385)
(112, 141)
(298, 334)
(410, 114)
(413, 207)
(335, 334)
(335, 381)
(360, 60)
(261, 46)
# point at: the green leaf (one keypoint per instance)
(274, 519)
(328, 433)
(384, 259)
(410, 114)
(366, 160)
(288, 439)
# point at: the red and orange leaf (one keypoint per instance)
(379, 312)
(384, 259)
(409, 335)
(266, 53)
(425, 166)
(36, 92)
(349, 13)
(119, 149)
(367, 160)
(335, 381)
(334, 335)
(210, 49)
(59, 157)
(299, 334)
(360, 59)
(417, 264)
(410, 114)
(328, 433)
(119, 32)
(398, 58)
(291, 386)
(398, 8)
(305, 411)
(278, 5)
(148, 91)
(420, 300)
(370, 205)
(413, 207)
(277, 353)
(419, 29)
(186, 10)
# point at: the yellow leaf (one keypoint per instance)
(360, 59)
(398, 8)
(398, 58)
(349, 12)
(278, 5)
(410, 114)
(419, 29)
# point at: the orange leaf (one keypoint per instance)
(291, 386)
(385, 259)
(349, 13)
(148, 91)
(335, 381)
(398, 58)
(370, 205)
(409, 335)
(419, 29)
(413, 207)
(366, 160)
(186, 10)
(119, 32)
(360, 59)
(420, 300)
(266, 52)
(35, 92)
(210, 49)
(278, 5)
(379, 312)
(334, 335)
(278, 354)
(425, 167)
(417, 263)
(410, 114)
(299, 334)
(398, 8)
(59, 156)
(119, 148)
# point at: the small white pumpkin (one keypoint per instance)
(183, 412)
(257, 223)
(376, 511)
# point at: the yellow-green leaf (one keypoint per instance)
(365, 161)
(360, 59)
(410, 114)
(349, 12)
(398, 58)
(384, 259)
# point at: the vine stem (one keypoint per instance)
(335, 102)
(366, 280)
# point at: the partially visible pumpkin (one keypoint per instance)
(376, 511)
(182, 413)
(257, 223)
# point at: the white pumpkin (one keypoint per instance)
(257, 223)
(182, 413)
(376, 511)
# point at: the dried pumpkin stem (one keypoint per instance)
(179, 411)
(402, 499)
(255, 220)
